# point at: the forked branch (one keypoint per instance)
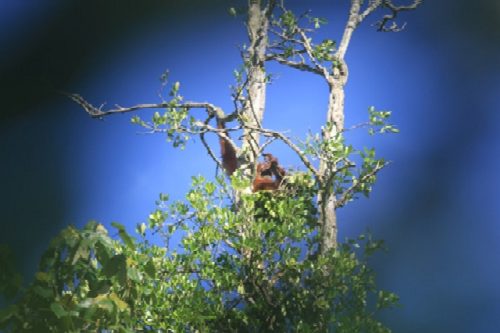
(394, 11)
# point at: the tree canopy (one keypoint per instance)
(246, 261)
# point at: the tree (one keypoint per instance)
(265, 261)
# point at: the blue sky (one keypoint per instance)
(436, 205)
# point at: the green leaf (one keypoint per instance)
(150, 268)
(164, 197)
(58, 310)
(82, 251)
(386, 299)
(129, 242)
(42, 276)
(210, 188)
(44, 292)
(141, 229)
(120, 304)
(102, 252)
(99, 287)
(134, 275)
(101, 302)
(116, 267)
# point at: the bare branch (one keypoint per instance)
(207, 147)
(97, 112)
(294, 64)
(395, 10)
(210, 152)
(267, 143)
(222, 132)
(268, 12)
(238, 93)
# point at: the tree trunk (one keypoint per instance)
(254, 106)
(327, 169)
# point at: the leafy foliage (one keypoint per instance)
(379, 122)
(253, 270)
(216, 261)
(355, 169)
(174, 121)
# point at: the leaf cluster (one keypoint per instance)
(291, 42)
(352, 170)
(175, 121)
(255, 269)
(378, 122)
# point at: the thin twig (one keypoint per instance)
(207, 147)
(265, 144)
(310, 53)
(290, 144)
(347, 194)
(294, 64)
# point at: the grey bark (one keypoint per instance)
(254, 106)
(335, 113)
(335, 121)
